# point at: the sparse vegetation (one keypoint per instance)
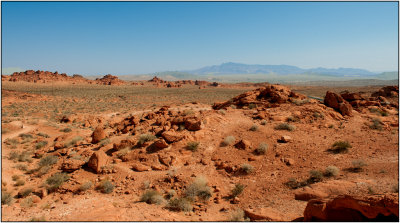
(229, 140)
(66, 130)
(376, 124)
(254, 128)
(292, 119)
(237, 215)
(104, 142)
(106, 186)
(56, 180)
(340, 147)
(6, 198)
(43, 135)
(331, 171)
(262, 148)
(237, 190)
(152, 197)
(315, 176)
(170, 194)
(192, 146)
(48, 161)
(41, 144)
(179, 204)
(86, 186)
(20, 182)
(146, 138)
(198, 188)
(25, 192)
(285, 126)
(357, 165)
(246, 168)
(27, 202)
(73, 141)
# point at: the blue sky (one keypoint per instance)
(95, 38)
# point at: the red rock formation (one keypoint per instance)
(110, 80)
(357, 208)
(336, 102)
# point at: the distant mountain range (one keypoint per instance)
(238, 68)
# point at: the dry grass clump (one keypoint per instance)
(19, 182)
(340, 147)
(357, 165)
(285, 126)
(246, 168)
(376, 124)
(41, 144)
(56, 180)
(73, 141)
(152, 197)
(192, 146)
(262, 148)
(146, 138)
(229, 140)
(6, 198)
(254, 128)
(25, 192)
(331, 171)
(198, 188)
(48, 161)
(237, 190)
(105, 187)
(179, 204)
(85, 186)
(315, 176)
(237, 215)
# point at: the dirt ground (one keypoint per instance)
(36, 118)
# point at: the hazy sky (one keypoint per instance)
(95, 38)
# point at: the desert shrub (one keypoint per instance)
(233, 106)
(285, 126)
(146, 138)
(170, 194)
(179, 204)
(27, 202)
(15, 177)
(254, 128)
(43, 135)
(11, 142)
(371, 190)
(104, 142)
(222, 111)
(56, 180)
(376, 124)
(340, 147)
(25, 156)
(42, 170)
(246, 168)
(198, 188)
(152, 197)
(378, 111)
(48, 160)
(315, 176)
(38, 219)
(24, 136)
(25, 192)
(262, 148)
(229, 140)
(20, 182)
(292, 119)
(237, 215)
(292, 183)
(73, 141)
(41, 144)
(22, 167)
(237, 190)
(263, 122)
(66, 130)
(331, 171)
(6, 198)
(106, 186)
(192, 146)
(13, 155)
(357, 165)
(318, 115)
(86, 186)
(251, 106)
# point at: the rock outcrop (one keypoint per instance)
(336, 102)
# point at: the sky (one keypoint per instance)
(119, 38)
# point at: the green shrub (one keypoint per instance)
(146, 138)
(358, 165)
(340, 147)
(254, 128)
(48, 160)
(331, 171)
(262, 148)
(229, 140)
(41, 144)
(285, 126)
(246, 168)
(152, 197)
(6, 198)
(106, 187)
(179, 204)
(192, 146)
(376, 124)
(86, 186)
(237, 190)
(56, 180)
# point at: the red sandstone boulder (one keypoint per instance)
(336, 102)
(171, 136)
(98, 160)
(98, 134)
(243, 144)
(70, 165)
